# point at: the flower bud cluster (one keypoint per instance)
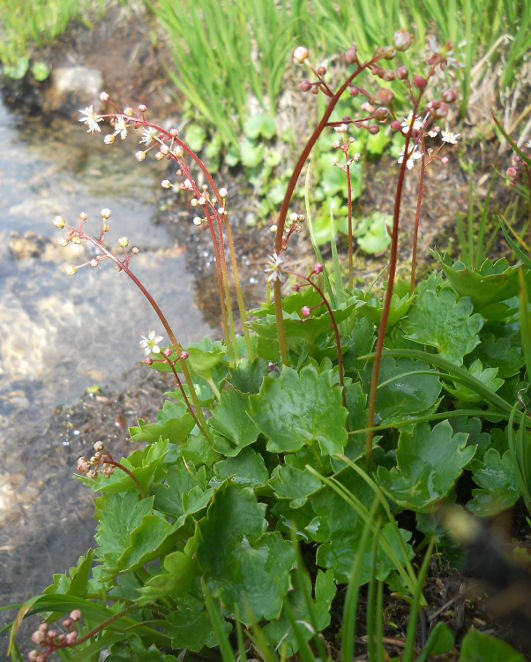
(519, 166)
(48, 641)
(100, 459)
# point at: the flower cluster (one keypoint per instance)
(50, 641)
(100, 459)
(518, 168)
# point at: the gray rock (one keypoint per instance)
(73, 88)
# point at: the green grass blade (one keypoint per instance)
(525, 322)
(217, 623)
(371, 598)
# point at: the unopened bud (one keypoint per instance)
(305, 85)
(373, 129)
(183, 356)
(142, 108)
(98, 446)
(350, 56)
(135, 250)
(105, 213)
(381, 114)
(273, 228)
(118, 268)
(334, 160)
(402, 40)
(221, 211)
(419, 82)
(83, 215)
(441, 112)
(384, 97)
(167, 352)
(59, 222)
(448, 96)
(148, 361)
(32, 656)
(38, 636)
(444, 160)
(174, 133)
(305, 311)
(63, 242)
(321, 71)
(140, 156)
(354, 91)
(71, 270)
(223, 193)
(109, 139)
(71, 637)
(165, 183)
(159, 156)
(389, 75)
(402, 73)
(389, 52)
(93, 263)
(318, 268)
(300, 54)
(197, 220)
(104, 96)
(295, 288)
(511, 172)
(123, 242)
(106, 228)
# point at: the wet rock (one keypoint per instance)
(27, 245)
(72, 88)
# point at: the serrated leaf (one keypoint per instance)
(247, 376)
(498, 353)
(174, 422)
(248, 468)
(338, 528)
(372, 235)
(179, 571)
(294, 484)
(497, 479)
(373, 309)
(244, 566)
(479, 647)
(429, 463)
(301, 409)
(486, 376)
(405, 395)
(280, 630)
(230, 419)
(168, 497)
(190, 626)
(203, 362)
(118, 515)
(443, 321)
(293, 521)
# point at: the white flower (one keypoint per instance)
(273, 268)
(449, 137)
(120, 127)
(413, 156)
(434, 132)
(443, 55)
(91, 119)
(148, 135)
(407, 122)
(151, 343)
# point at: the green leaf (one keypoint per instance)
(252, 155)
(244, 566)
(440, 641)
(479, 647)
(195, 137)
(499, 486)
(179, 571)
(136, 650)
(498, 353)
(338, 528)
(118, 515)
(77, 580)
(180, 480)
(429, 463)
(203, 362)
(299, 409)
(377, 143)
(280, 629)
(445, 322)
(247, 376)
(40, 71)
(174, 422)
(247, 469)
(260, 124)
(372, 235)
(295, 484)
(18, 70)
(401, 394)
(486, 376)
(373, 308)
(190, 625)
(230, 419)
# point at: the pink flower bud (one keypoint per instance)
(374, 129)
(402, 73)
(511, 172)
(402, 40)
(336, 144)
(321, 71)
(71, 637)
(389, 75)
(38, 637)
(448, 96)
(305, 311)
(68, 621)
(52, 634)
(295, 288)
(142, 108)
(441, 112)
(32, 655)
(315, 90)
(419, 82)
(377, 70)
(167, 352)
(318, 268)
(384, 97)
(43, 627)
(434, 104)
(104, 96)
(148, 361)
(350, 56)
(183, 356)
(305, 85)
(354, 91)
(381, 114)
(444, 160)
(75, 615)
(40, 658)
(516, 158)
(395, 125)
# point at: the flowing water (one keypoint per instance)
(59, 334)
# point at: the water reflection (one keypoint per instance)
(60, 334)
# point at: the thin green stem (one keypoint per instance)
(417, 220)
(277, 292)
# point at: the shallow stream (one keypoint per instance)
(60, 335)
